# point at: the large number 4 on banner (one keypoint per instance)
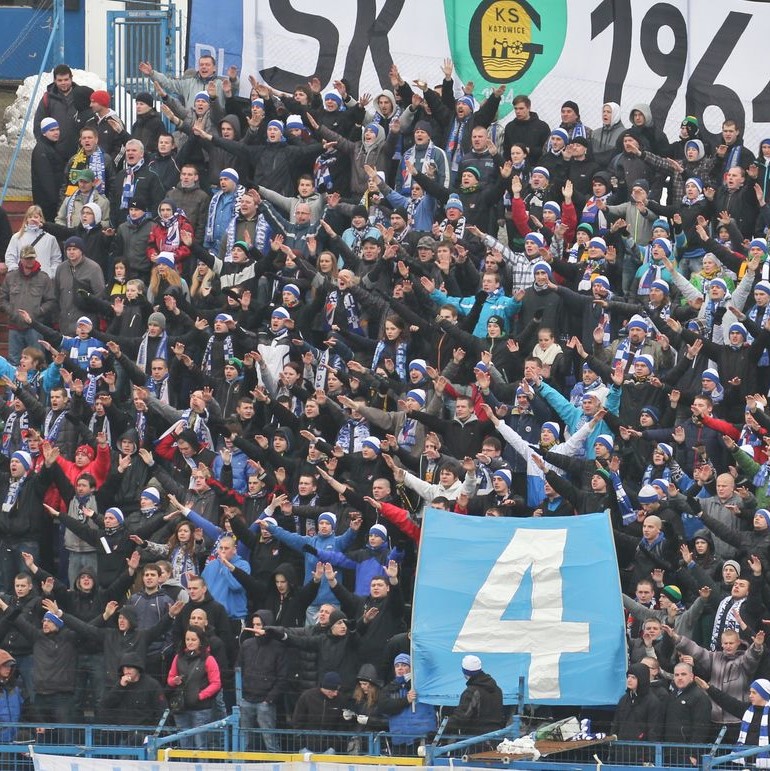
(544, 636)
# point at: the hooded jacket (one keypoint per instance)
(360, 154)
(638, 716)
(138, 703)
(604, 140)
(11, 698)
(480, 709)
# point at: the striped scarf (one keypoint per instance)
(380, 353)
(459, 227)
(748, 716)
(212, 216)
(624, 354)
(626, 507)
(97, 164)
(322, 175)
(229, 352)
(724, 620)
(406, 177)
(171, 238)
(14, 490)
(760, 316)
(22, 418)
(352, 312)
(161, 353)
(158, 388)
(129, 184)
(52, 426)
(454, 145)
(94, 428)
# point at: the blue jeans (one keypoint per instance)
(191, 718)
(11, 563)
(264, 716)
(18, 340)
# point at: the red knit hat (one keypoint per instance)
(101, 97)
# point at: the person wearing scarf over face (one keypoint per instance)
(166, 233)
(754, 715)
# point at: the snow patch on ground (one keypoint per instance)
(15, 112)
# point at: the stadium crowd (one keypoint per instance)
(245, 354)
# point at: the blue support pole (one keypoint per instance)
(58, 21)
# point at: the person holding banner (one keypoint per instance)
(409, 720)
(481, 703)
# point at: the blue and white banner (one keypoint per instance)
(538, 598)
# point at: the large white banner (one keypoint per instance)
(684, 57)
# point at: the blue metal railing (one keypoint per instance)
(144, 743)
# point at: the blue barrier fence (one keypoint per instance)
(145, 742)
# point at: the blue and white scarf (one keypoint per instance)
(197, 423)
(454, 145)
(22, 418)
(407, 435)
(212, 216)
(89, 393)
(406, 177)
(97, 165)
(351, 434)
(229, 352)
(161, 353)
(352, 313)
(53, 426)
(400, 357)
(725, 620)
(14, 491)
(129, 183)
(624, 354)
(322, 175)
(760, 316)
(748, 716)
(624, 502)
(141, 426)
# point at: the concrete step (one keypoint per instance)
(15, 207)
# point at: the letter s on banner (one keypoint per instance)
(547, 606)
(545, 636)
